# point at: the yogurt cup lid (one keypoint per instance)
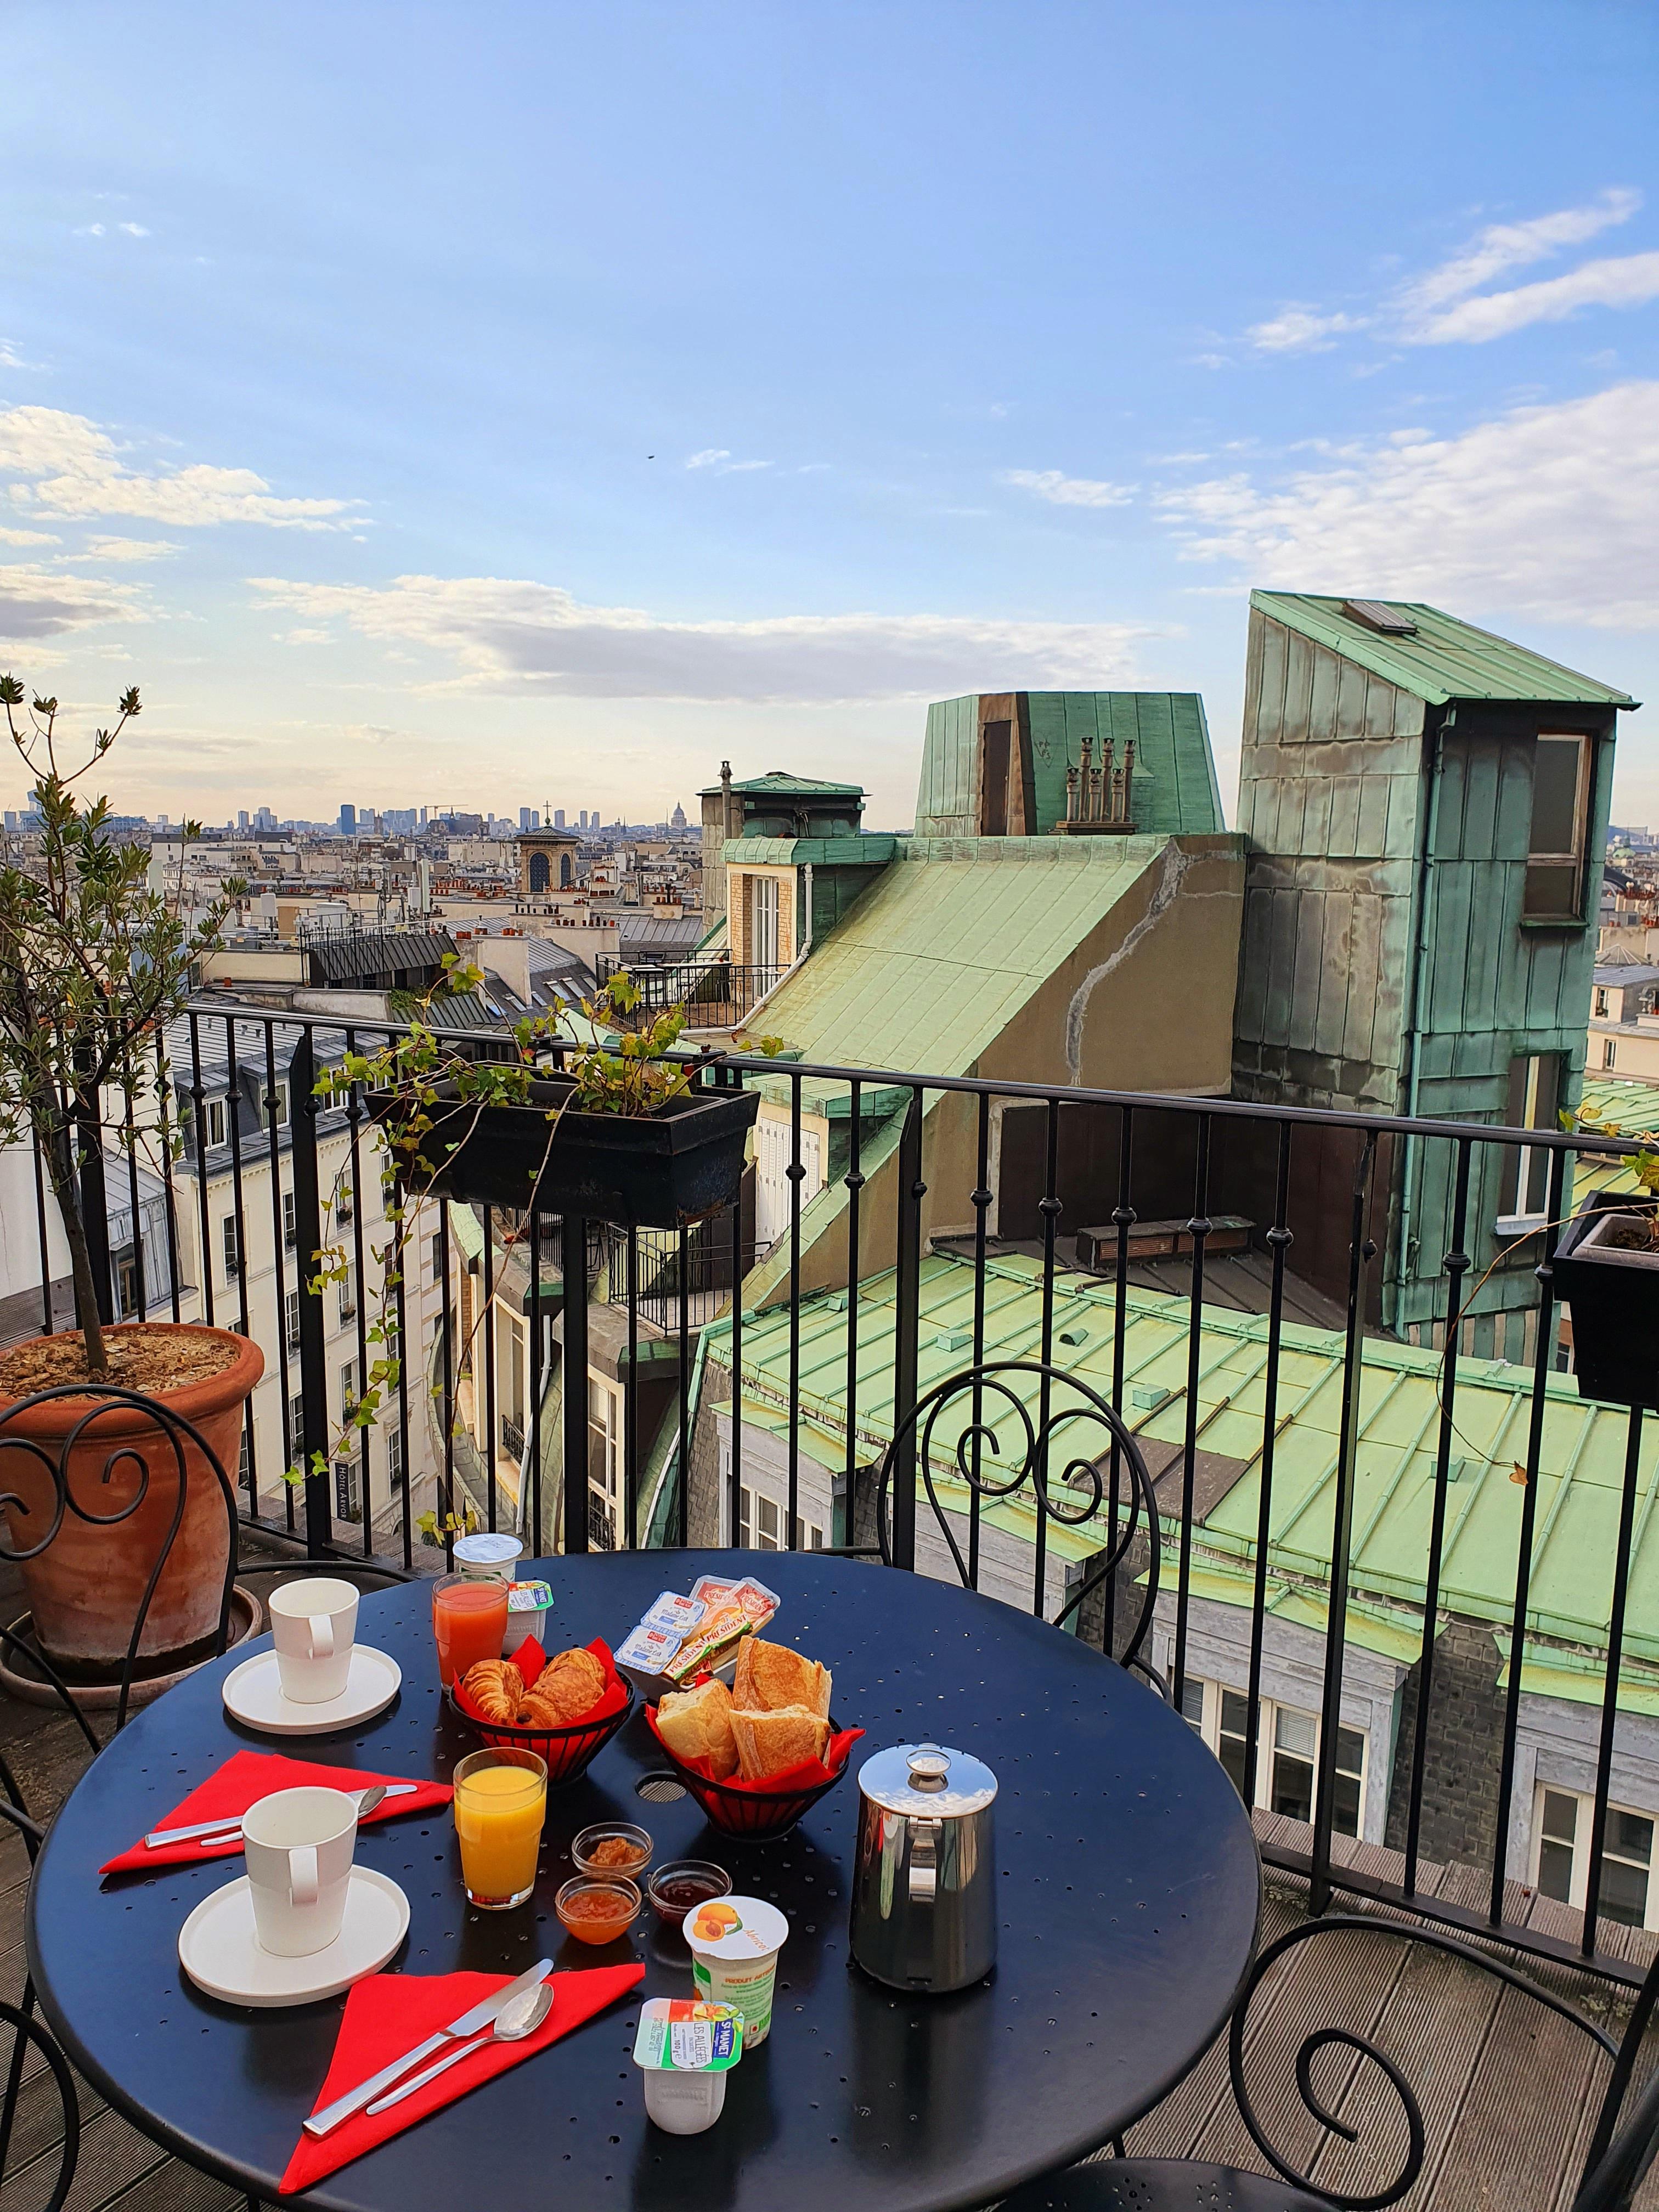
(688, 2035)
(487, 1550)
(736, 1928)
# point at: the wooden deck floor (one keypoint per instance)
(1509, 2092)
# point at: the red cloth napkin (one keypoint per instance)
(808, 1774)
(530, 1659)
(390, 2013)
(248, 1776)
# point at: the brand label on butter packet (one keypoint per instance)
(674, 1613)
(649, 1649)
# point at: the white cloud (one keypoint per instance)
(133, 229)
(1626, 281)
(506, 635)
(1505, 246)
(38, 603)
(68, 466)
(29, 538)
(90, 230)
(1549, 510)
(1298, 328)
(718, 458)
(124, 550)
(1062, 490)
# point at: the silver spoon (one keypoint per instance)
(512, 2024)
(366, 1800)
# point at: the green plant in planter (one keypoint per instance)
(94, 964)
(612, 1070)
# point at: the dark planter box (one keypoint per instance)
(659, 1171)
(1614, 1298)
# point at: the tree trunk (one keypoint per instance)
(59, 1145)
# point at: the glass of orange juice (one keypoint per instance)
(501, 1800)
(468, 1622)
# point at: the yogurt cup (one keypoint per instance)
(487, 1559)
(528, 1605)
(685, 2048)
(734, 1944)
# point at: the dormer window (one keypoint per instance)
(1560, 823)
(214, 1114)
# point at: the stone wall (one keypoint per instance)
(1463, 1752)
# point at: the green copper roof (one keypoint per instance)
(1174, 788)
(780, 783)
(947, 944)
(1616, 1108)
(1446, 660)
(1581, 1463)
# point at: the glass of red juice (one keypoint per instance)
(469, 1621)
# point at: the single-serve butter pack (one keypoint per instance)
(678, 1637)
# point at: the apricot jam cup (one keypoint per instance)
(597, 1908)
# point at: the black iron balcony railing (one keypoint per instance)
(716, 993)
(1399, 1582)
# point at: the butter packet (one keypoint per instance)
(678, 1614)
(652, 1650)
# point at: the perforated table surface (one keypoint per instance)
(1128, 1890)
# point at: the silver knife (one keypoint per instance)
(229, 1823)
(481, 2015)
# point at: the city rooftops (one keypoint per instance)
(1431, 654)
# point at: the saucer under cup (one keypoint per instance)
(218, 1947)
(253, 1694)
(314, 1626)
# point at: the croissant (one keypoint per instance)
(496, 1688)
(569, 1686)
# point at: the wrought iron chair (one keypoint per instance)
(1618, 2159)
(1049, 1460)
(22, 1539)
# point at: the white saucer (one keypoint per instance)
(217, 1948)
(253, 1693)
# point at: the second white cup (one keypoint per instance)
(299, 1845)
(313, 1624)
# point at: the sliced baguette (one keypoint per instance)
(767, 1743)
(770, 1676)
(697, 1724)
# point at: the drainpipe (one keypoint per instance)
(1416, 993)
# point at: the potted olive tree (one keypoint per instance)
(93, 963)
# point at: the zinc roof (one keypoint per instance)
(779, 781)
(1174, 787)
(1618, 1109)
(1446, 660)
(1581, 1462)
(947, 945)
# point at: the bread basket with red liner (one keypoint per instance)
(760, 1810)
(569, 1750)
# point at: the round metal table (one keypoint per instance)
(1129, 1886)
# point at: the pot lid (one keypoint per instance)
(929, 1780)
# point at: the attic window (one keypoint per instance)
(1378, 615)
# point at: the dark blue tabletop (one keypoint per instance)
(1128, 1887)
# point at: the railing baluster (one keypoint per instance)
(681, 1468)
(199, 1119)
(447, 1513)
(492, 1432)
(1049, 1206)
(313, 1378)
(294, 1446)
(734, 1477)
(1546, 1274)
(164, 1111)
(130, 1138)
(1123, 1218)
(233, 1130)
(794, 1172)
(1280, 1241)
(1610, 1688)
(907, 1332)
(1360, 1252)
(981, 1206)
(1197, 1228)
(854, 1180)
(403, 1491)
(359, 1298)
(47, 1322)
(631, 1400)
(574, 1267)
(1457, 1262)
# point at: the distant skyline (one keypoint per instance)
(473, 406)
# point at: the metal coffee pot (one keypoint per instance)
(924, 1881)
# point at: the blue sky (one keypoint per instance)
(508, 404)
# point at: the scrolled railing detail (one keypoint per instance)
(1036, 1437)
(176, 1433)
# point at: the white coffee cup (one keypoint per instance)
(299, 1846)
(313, 1624)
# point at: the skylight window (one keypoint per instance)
(1378, 615)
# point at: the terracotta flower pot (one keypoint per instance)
(85, 1588)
